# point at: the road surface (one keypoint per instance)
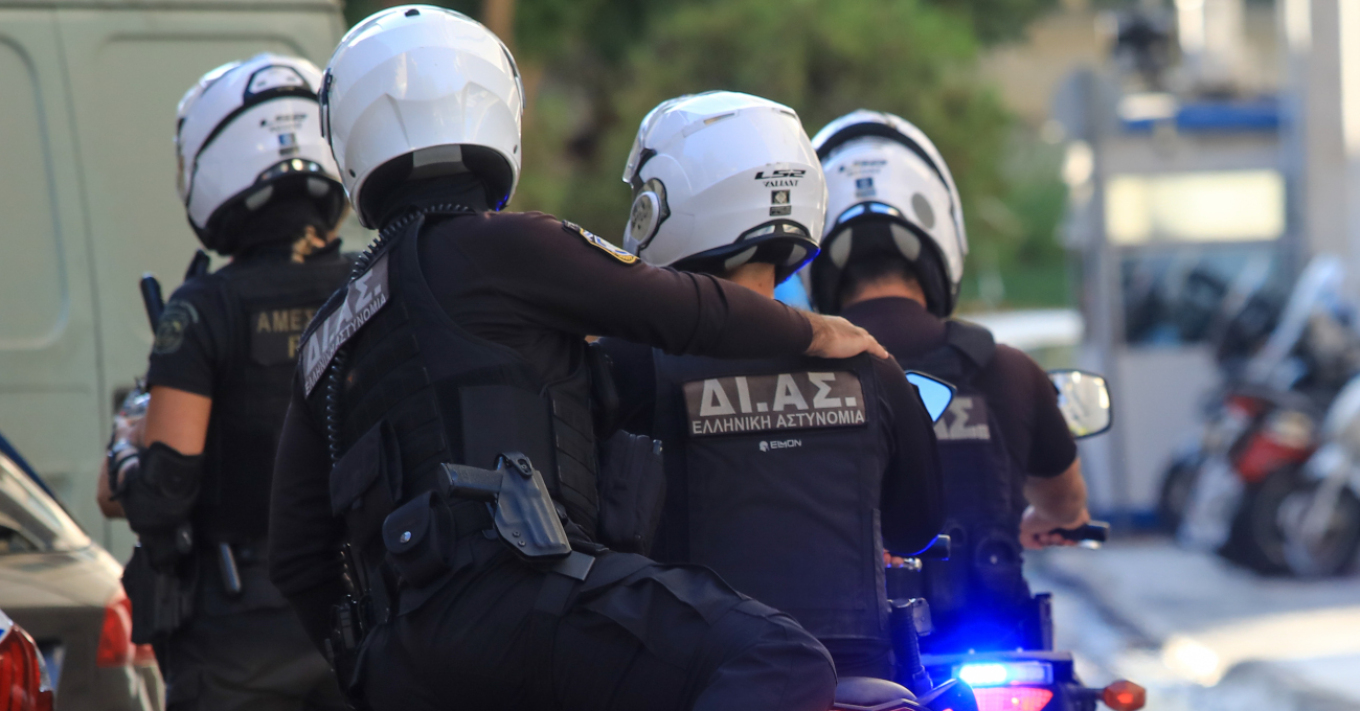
(1201, 634)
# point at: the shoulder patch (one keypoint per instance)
(363, 297)
(590, 237)
(177, 317)
(768, 403)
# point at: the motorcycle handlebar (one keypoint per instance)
(938, 549)
(1095, 531)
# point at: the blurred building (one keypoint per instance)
(1186, 168)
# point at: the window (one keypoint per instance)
(32, 286)
(30, 521)
(1223, 206)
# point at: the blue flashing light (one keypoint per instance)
(985, 674)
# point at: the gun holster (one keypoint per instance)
(162, 599)
(525, 516)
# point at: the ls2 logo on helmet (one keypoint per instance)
(781, 177)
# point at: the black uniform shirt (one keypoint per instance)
(1017, 390)
(192, 340)
(912, 499)
(537, 285)
(232, 336)
(195, 336)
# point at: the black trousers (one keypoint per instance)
(664, 637)
(862, 657)
(260, 660)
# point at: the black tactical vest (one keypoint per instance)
(384, 365)
(270, 302)
(774, 473)
(983, 492)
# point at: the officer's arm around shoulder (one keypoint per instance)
(913, 486)
(576, 281)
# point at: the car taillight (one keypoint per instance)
(1124, 695)
(115, 639)
(1012, 698)
(24, 685)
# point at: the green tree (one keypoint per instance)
(821, 57)
(593, 68)
(998, 20)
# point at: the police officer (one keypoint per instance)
(259, 185)
(891, 261)
(457, 355)
(779, 470)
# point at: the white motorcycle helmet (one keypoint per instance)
(418, 92)
(891, 193)
(250, 132)
(721, 179)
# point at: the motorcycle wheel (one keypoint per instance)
(1177, 483)
(1257, 539)
(1332, 554)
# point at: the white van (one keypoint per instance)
(88, 90)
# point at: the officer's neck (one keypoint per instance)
(756, 277)
(463, 189)
(887, 287)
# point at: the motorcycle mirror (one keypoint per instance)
(935, 394)
(1084, 399)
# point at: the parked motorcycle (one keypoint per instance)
(1225, 494)
(1320, 516)
(1254, 451)
(1240, 323)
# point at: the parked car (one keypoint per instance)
(66, 592)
